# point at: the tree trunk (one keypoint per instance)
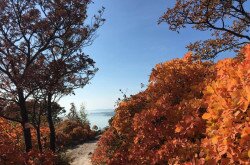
(38, 136)
(37, 125)
(51, 124)
(25, 121)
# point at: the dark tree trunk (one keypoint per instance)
(37, 125)
(25, 121)
(51, 124)
(38, 136)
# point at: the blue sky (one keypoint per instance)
(129, 45)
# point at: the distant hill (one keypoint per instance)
(102, 112)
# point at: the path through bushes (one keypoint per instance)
(82, 153)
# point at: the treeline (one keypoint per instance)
(192, 112)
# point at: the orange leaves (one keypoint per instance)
(197, 13)
(246, 51)
(178, 128)
(11, 147)
(248, 93)
(192, 112)
(215, 140)
(228, 111)
(188, 56)
(245, 132)
(163, 123)
(73, 132)
(206, 116)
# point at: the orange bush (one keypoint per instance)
(228, 114)
(145, 125)
(170, 129)
(109, 144)
(12, 149)
(73, 132)
(192, 112)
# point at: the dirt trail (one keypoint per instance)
(82, 153)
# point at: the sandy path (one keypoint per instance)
(82, 153)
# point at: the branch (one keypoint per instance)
(227, 30)
(241, 10)
(10, 118)
(11, 100)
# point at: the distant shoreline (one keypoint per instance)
(100, 117)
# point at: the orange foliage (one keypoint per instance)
(69, 132)
(10, 150)
(12, 147)
(168, 113)
(172, 116)
(192, 112)
(73, 132)
(228, 123)
(108, 146)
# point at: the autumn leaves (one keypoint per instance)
(192, 112)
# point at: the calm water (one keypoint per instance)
(100, 117)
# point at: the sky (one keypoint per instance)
(128, 46)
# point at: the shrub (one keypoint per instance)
(228, 123)
(192, 112)
(10, 143)
(146, 124)
(73, 132)
(12, 149)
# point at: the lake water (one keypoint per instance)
(100, 118)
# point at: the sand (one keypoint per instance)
(81, 154)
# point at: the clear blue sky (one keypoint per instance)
(129, 45)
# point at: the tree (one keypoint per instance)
(72, 115)
(80, 115)
(83, 115)
(37, 34)
(37, 112)
(229, 22)
(63, 75)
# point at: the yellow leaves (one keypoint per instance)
(248, 153)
